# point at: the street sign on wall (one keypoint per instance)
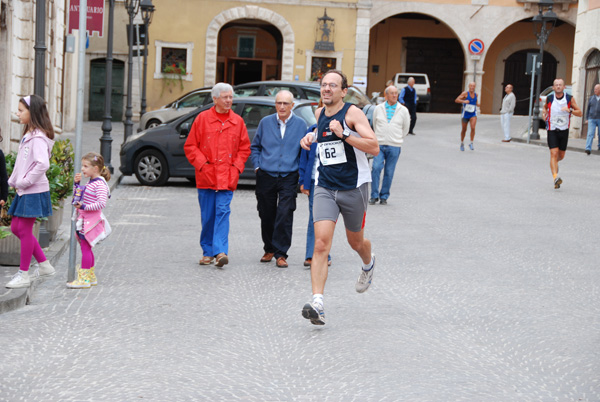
(476, 46)
(95, 16)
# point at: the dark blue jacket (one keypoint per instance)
(593, 111)
(307, 161)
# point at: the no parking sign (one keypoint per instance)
(476, 46)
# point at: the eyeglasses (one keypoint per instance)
(282, 103)
(326, 84)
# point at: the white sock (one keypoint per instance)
(318, 299)
(368, 266)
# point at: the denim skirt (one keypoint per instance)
(36, 205)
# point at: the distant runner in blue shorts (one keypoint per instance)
(469, 114)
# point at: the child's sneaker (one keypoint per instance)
(93, 279)
(45, 269)
(82, 281)
(19, 280)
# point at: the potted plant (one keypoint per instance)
(60, 178)
(174, 74)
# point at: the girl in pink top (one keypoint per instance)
(31, 184)
(92, 226)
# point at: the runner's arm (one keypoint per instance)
(367, 142)
(462, 98)
(575, 110)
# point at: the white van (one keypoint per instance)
(421, 86)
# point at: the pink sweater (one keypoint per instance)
(33, 160)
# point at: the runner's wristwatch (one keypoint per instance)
(345, 135)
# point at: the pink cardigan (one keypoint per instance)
(33, 160)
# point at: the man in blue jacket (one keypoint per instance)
(593, 119)
(275, 156)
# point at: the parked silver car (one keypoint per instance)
(183, 105)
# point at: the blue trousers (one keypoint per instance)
(214, 211)
(386, 161)
(593, 124)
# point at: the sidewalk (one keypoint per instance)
(11, 299)
(488, 129)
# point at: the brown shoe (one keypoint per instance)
(506, 140)
(221, 260)
(267, 257)
(281, 262)
(206, 260)
(307, 262)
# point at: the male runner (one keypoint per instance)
(557, 112)
(344, 137)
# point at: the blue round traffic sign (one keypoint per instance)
(476, 46)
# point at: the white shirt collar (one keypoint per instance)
(286, 120)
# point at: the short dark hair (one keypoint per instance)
(341, 74)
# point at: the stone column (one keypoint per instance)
(363, 28)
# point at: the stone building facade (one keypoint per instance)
(17, 55)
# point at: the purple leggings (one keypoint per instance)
(23, 229)
(87, 256)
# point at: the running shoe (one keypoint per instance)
(462, 146)
(471, 147)
(365, 278)
(557, 182)
(314, 313)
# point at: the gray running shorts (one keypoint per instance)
(352, 204)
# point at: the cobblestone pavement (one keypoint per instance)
(486, 289)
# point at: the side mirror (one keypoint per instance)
(184, 129)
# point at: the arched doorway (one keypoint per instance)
(417, 43)
(592, 77)
(97, 89)
(515, 74)
(249, 50)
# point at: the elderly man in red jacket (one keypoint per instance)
(218, 147)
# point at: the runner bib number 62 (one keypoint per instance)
(332, 152)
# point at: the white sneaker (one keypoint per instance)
(45, 269)
(19, 280)
(365, 278)
(314, 312)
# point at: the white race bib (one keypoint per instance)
(332, 152)
(559, 120)
(469, 108)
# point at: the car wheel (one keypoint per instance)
(153, 123)
(151, 168)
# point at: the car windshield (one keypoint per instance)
(193, 100)
(419, 79)
(307, 112)
(248, 91)
(356, 97)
